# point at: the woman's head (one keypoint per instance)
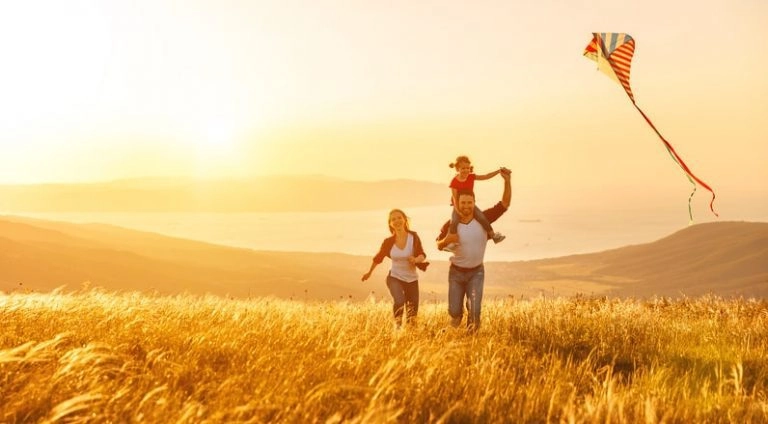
(397, 219)
(462, 165)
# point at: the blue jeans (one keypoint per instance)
(467, 284)
(404, 295)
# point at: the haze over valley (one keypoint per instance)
(728, 259)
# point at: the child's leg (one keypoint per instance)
(480, 217)
(454, 222)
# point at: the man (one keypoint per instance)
(466, 275)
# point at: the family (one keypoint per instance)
(465, 236)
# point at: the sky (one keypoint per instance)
(365, 90)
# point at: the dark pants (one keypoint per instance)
(404, 295)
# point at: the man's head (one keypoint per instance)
(466, 205)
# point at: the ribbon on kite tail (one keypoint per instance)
(613, 53)
(679, 160)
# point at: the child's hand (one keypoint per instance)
(366, 276)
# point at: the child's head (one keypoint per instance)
(463, 165)
(396, 218)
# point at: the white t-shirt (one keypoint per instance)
(472, 242)
(401, 268)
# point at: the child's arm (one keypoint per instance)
(455, 195)
(487, 176)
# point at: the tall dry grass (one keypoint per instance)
(98, 357)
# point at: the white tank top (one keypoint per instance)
(401, 268)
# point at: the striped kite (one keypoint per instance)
(613, 53)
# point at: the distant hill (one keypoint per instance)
(724, 258)
(42, 255)
(728, 258)
(267, 194)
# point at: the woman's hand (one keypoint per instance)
(413, 260)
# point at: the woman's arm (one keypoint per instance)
(367, 275)
(379, 258)
(418, 259)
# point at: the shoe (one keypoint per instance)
(498, 237)
(451, 247)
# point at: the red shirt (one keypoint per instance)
(468, 184)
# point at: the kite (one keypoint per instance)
(613, 53)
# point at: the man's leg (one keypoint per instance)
(475, 285)
(456, 291)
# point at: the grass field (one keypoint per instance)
(100, 357)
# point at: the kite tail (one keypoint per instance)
(679, 160)
(690, 213)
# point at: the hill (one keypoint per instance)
(724, 258)
(42, 255)
(267, 194)
(729, 258)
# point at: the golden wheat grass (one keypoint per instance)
(101, 357)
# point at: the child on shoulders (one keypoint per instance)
(465, 180)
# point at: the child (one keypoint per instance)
(465, 179)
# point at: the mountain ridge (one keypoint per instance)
(265, 194)
(728, 258)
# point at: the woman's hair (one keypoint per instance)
(389, 216)
(459, 160)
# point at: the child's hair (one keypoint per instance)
(405, 217)
(459, 160)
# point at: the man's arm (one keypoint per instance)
(445, 239)
(499, 208)
(506, 198)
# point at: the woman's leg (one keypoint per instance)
(411, 301)
(397, 290)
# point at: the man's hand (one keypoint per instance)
(450, 238)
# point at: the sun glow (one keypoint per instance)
(218, 137)
(218, 146)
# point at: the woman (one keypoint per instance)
(406, 252)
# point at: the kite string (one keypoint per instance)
(682, 165)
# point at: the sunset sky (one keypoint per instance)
(97, 90)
